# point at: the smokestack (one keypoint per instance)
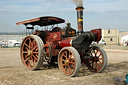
(80, 18)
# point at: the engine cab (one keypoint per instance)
(68, 31)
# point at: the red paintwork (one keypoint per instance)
(55, 36)
(65, 42)
(47, 38)
(52, 39)
(98, 32)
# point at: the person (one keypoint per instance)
(127, 79)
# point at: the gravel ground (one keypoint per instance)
(12, 72)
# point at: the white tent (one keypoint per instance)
(124, 40)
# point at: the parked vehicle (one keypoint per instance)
(100, 43)
(14, 43)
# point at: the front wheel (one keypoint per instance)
(98, 60)
(69, 61)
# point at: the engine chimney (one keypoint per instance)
(80, 19)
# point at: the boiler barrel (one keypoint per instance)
(66, 42)
(82, 41)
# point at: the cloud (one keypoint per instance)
(106, 5)
(1, 9)
(16, 10)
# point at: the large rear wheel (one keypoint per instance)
(32, 52)
(69, 61)
(98, 60)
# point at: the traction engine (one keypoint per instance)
(69, 48)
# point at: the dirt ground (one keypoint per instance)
(12, 71)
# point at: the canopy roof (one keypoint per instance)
(42, 21)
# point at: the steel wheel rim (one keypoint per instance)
(29, 52)
(68, 63)
(97, 61)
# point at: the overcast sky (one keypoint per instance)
(112, 14)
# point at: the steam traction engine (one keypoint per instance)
(69, 48)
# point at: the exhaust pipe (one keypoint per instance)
(80, 19)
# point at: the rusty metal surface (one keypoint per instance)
(42, 21)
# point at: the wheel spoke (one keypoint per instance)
(35, 52)
(73, 66)
(26, 45)
(100, 62)
(30, 42)
(98, 66)
(95, 65)
(100, 58)
(69, 52)
(64, 64)
(72, 63)
(34, 47)
(68, 69)
(27, 59)
(24, 52)
(27, 48)
(63, 59)
(34, 43)
(99, 55)
(65, 54)
(96, 52)
(64, 67)
(35, 57)
(72, 60)
(70, 55)
(25, 56)
(32, 59)
(28, 63)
